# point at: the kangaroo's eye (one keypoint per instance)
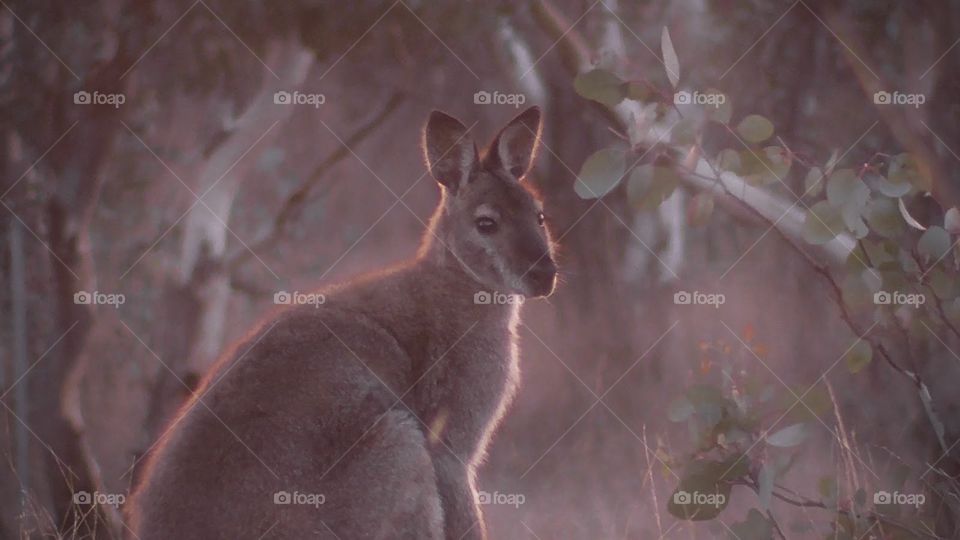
(540, 218)
(486, 225)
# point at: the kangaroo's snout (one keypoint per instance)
(542, 277)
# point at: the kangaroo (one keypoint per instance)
(367, 415)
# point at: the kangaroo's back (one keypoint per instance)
(364, 416)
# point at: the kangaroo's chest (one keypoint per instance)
(464, 389)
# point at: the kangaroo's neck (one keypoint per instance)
(433, 247)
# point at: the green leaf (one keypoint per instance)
(904, 168)
(649, 186)
(729, 160)
(721, 112)
(850, 194)
(755, 128)
(755, 527)
(708, 402)
(845, 189)
(601, 86)
(814, 403)
(822, 224)
(670, 60)
(637, 91)
(813, 183)
(888, 188)
(788, 436)
(767, 166)
(859, 356)
(600, 173)
(699, 209)
(934, 244)
(951, 221)
(884, 218)
(704, 488)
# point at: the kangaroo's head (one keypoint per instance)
(489, 218)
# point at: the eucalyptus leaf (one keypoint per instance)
(704, 488)
(951, 221)
(934, 244)
(600, 173)
(601, 86)
(884, 218)
(729, 160)
(670, 60)
(823, 223)
(788, 436)
(813, 183)
(755, 128)
(649, 186)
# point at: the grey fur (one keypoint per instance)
(384, 398)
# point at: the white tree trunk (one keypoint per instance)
(206, 229)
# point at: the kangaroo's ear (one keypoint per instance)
(450, 153)
(516, 145)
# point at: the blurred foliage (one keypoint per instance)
(902, 275)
